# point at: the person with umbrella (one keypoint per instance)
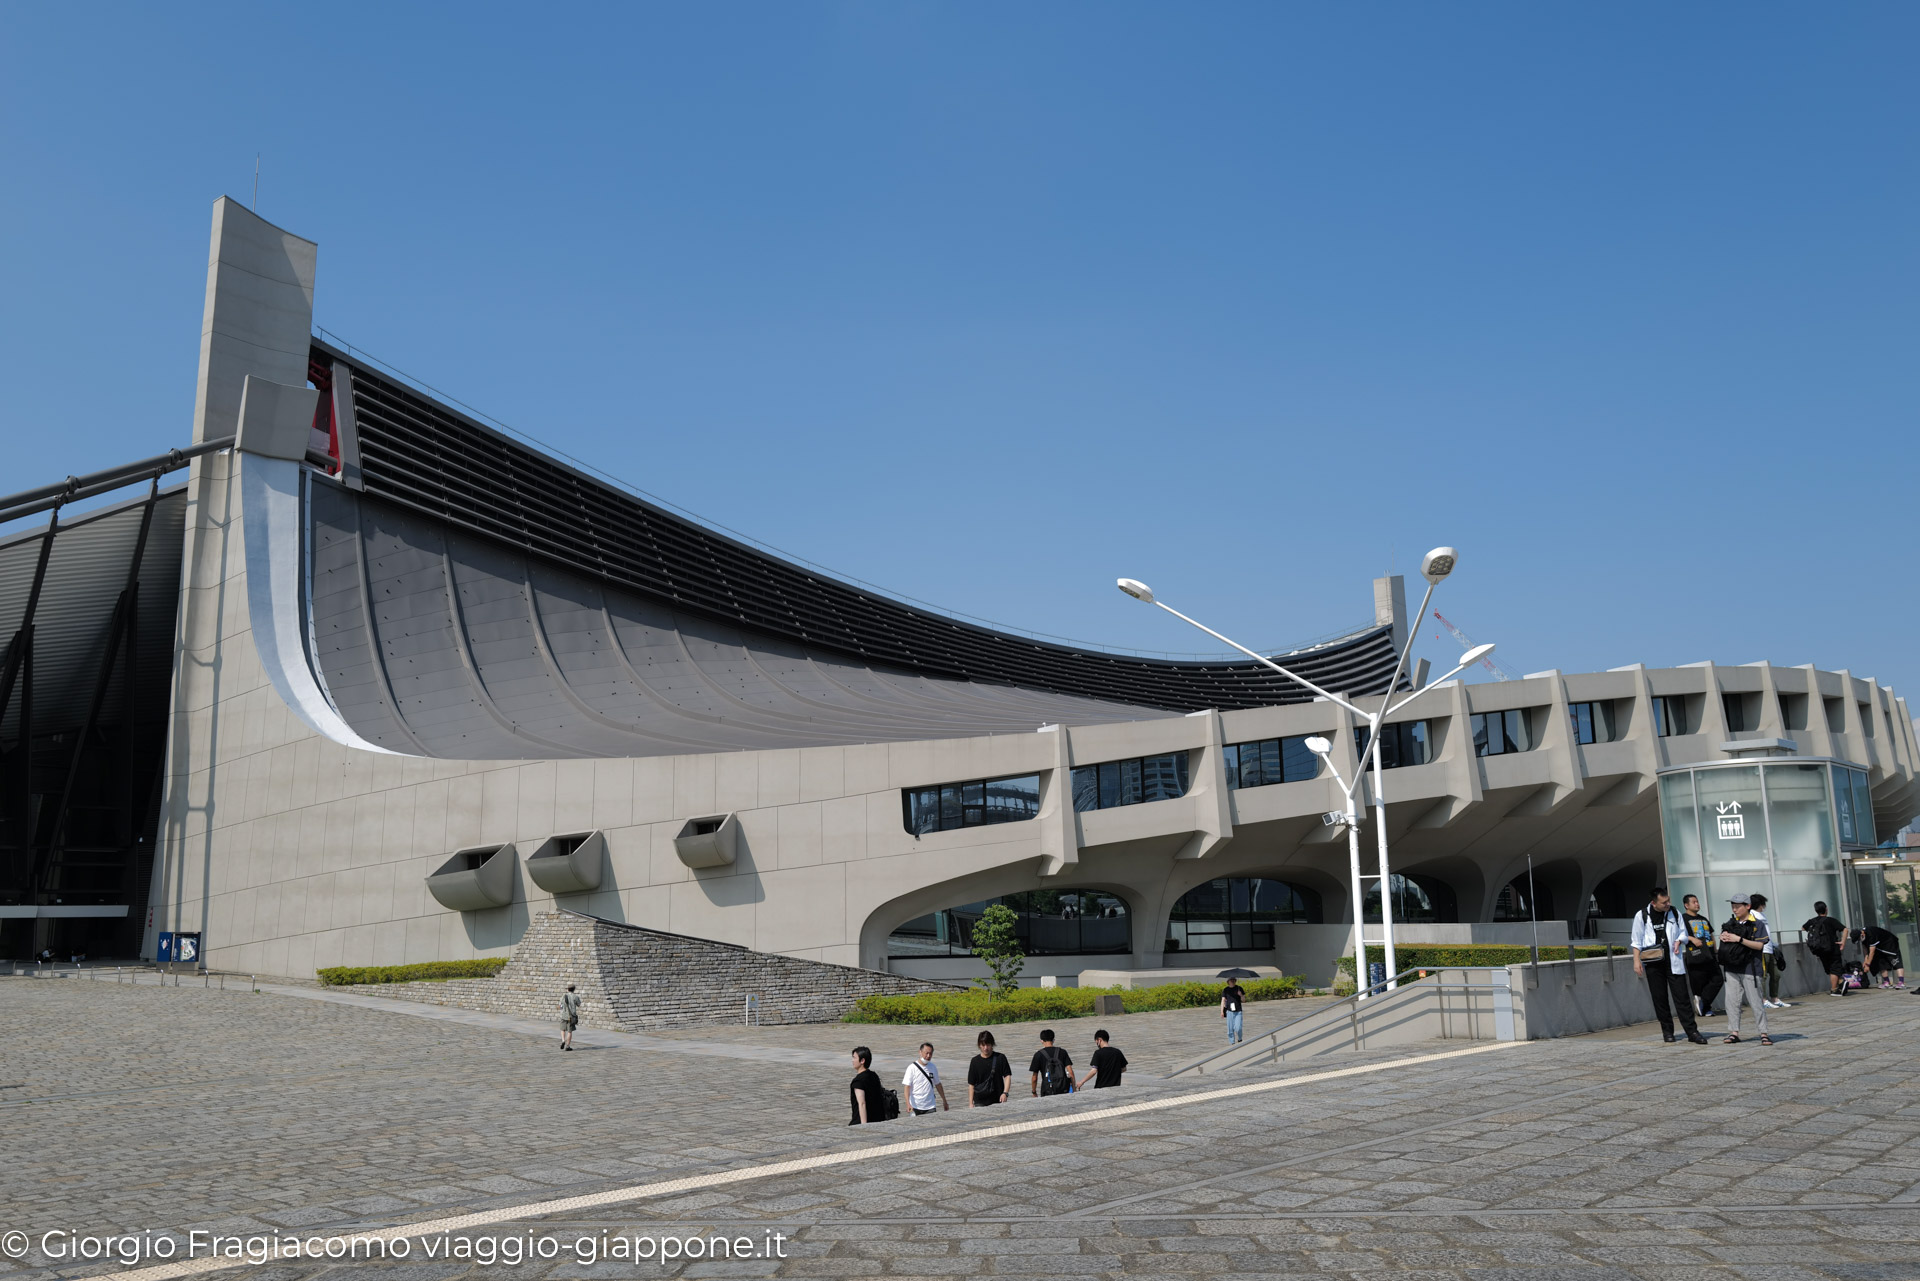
(1233, 1001)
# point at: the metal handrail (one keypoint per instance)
(1351, 1004)
(74, 488)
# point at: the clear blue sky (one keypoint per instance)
(990, 304)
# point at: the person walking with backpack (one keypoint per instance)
(569, 1016)
(1051, 1069)
(1826, 938)
(869, 1098)
(989, 1075)
(1659, 941)
(1742, 940)
(1703, 972)
(922, 1083)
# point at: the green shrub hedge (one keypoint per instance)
(1035, 1004)
(427, 971)
(1432, 956)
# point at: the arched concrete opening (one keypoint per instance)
(1622, 892)
(1558, 891)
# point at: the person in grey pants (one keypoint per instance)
(1745, 939)
(569, 1017)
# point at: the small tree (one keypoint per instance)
(996, 940)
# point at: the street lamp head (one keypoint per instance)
(1136, 589)
(1438, 563)
(1319, 746)
(1475, 654)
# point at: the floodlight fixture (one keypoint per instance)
(1438, 563)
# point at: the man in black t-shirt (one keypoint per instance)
(1051, 1069)
(1883, 956)
(867, 1095)
(1826, 938)
(1107, 1062)
(989, 1075)
(1703, 971)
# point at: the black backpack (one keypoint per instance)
(1823, 934)
(892, 1105)
(1736, 956)
(1053, 1071)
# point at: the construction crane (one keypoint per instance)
(1501, 672)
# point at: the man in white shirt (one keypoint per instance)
(1659, 939)
(922, 1083)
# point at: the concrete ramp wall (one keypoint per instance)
(1447, 1005)
(1572, 997)
(631, 978)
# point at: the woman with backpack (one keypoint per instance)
(1742, 940)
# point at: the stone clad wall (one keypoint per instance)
(630, 978)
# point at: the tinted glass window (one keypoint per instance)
(1407, 742)
(970, 804)
(1270, 761)
(1013, 800)
(1297, 763)
(1131, 782)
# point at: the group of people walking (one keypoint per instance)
(1689, 963)
(989, 1077)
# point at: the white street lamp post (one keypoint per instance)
(1434, 566)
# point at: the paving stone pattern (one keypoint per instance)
(631, 977)
(1610, 1156)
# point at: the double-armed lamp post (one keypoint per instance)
(1434, 566)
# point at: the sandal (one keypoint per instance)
(1765, 1039)
(1732, 1040)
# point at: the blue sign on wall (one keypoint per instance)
(178, 946)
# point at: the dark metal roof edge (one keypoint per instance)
(807, 571)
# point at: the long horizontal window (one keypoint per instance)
(1144, 778)
(1270, 761)
(1592, 722)
(1403, 743)
(1497, 733)
(1238, 913)
(1049, 923)
(974, 804)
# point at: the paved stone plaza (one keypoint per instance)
(134, 1108)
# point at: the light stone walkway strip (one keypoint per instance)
(722, 1178)
(597, 1038)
